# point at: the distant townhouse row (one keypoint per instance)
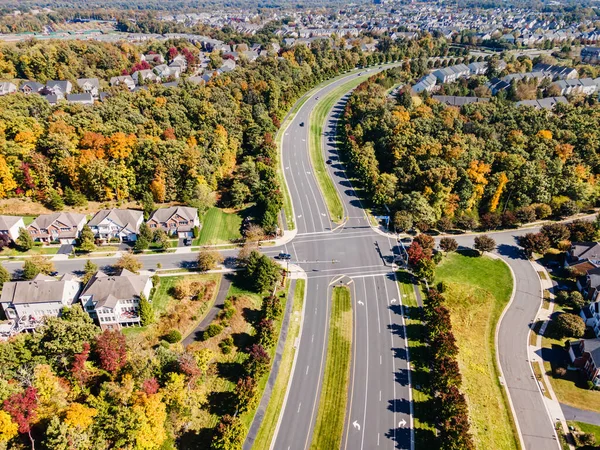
(122, 224)
(111, 300)
(451, 74)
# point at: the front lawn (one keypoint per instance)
(219, 227)
(479, 288)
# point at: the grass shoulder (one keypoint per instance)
(334, 392)
(479, 288)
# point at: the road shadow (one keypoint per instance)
(400, 405)
(401, 377)
(510, 251)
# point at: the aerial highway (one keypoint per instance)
(353, 253)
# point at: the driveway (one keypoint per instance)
(580, 415)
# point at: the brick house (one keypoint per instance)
(61, 227)
(584, 354)
(177, 220)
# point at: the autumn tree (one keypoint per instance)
(534, 243)
(569, 325)
(229, 434)
(128, 262)
(448, 244)
(484, 243)
(22, 408)
(555, 232)
(35, 265)
(89, 270)
(86, 240)
(258, 361)
(146, 311)
(208, 259)
(416, 254)
(582, 231)
(425, 241)
(111, 350)
(246, 394)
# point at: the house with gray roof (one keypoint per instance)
(176, 220)
(585, 356)
(89, 86)
(114, 300)
(63, 227)
(31, 87)
(145, 75)
(543, 103)
(6, 87)
(27, 303)
(81, 99)
(123, 80)
(426, 83)
(451, 73)
(59, 88)
(585, 86)
(453, 100)
(10, 226)
(122, 224)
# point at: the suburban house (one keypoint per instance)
(164, 71)
(556, 72)
(179, 61)
(28, 302)
(543, 103)
(453, 100)
(10, 226)
(89, 86)
(62, 227)
(584, 354)
(82, 99)
(478, 68)
(58, 88)
(153, 58)
(124, 80)
(122, 224)
(141, 76)
(585, 86)
(31, 87)
(451, 73)
(176, 220)
(6, 87)
(113, 300)
(426, 83)
(590, 54)
(583, 256)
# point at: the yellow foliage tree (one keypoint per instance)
(158, 187)
(120, 145)
(564, 151)
(151, 414)
(51, 391)
(80, 416)
(7, 182)
(477, 172)
(8, 429)
(502, 180)
(544, 134)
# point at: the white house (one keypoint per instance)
(426, 83)
(123, 224)
(164, 71)
(451, 73)
(140, 76)
(125, 80)
(59, 88)
(81, 99)
(6, 87)
(153, 58)
(27, 303)
(89, 86)
(10, 226)
(114, 300)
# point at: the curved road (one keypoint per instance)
(379, 413)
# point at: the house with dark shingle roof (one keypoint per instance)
(61, 226)
(29, 302)
(585, 355)
(114, 300)
(123, 224)
(176, 220)
(10, 226)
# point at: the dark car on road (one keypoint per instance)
(187, 242)
(284, 256)
(328, 161)
(301, 124)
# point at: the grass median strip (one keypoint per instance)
(334, 393)
(273, 411)
(317, 119)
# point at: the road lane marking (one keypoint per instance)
(378, 439)
(377, 304)
(312, 338)
(380, 361)
(299, 407)
(307, 370)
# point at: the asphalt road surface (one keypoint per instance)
(379, 413)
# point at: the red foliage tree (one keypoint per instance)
(150, 386)
(172, 53)
(258, 361)
(169, 134)
(415, 253)
(22, 407)
(78, 370)
(188, 366)
(425, 241)
(142, 65)
(111, 349)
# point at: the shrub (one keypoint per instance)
(448, 244)
(542, 210)
(212, 330)
(226, 345)
(561, 297)
(576, 300)
(172, 336)
(526, 214)
(442, 287)
(484, 243)
(569, 325)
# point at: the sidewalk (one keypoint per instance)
(535, 352)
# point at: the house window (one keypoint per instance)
(65, 229)
(183, 222)
(152, 225)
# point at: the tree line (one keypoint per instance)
(482, 165)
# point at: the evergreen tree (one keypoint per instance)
(146, 311)
(24, 241)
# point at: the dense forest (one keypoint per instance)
(178, 143)
(488, 163)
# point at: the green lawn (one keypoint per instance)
(334, 392)
(586, 428)
(36, 250)
(317, 119)
(219, 227)
(479, 288)
(267, 428)
(424, 422)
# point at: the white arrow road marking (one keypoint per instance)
(402, 423)
(299, 216)
(287, 167)
(361, 303)
(393, 300)
(356, 425)
(323, 214)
